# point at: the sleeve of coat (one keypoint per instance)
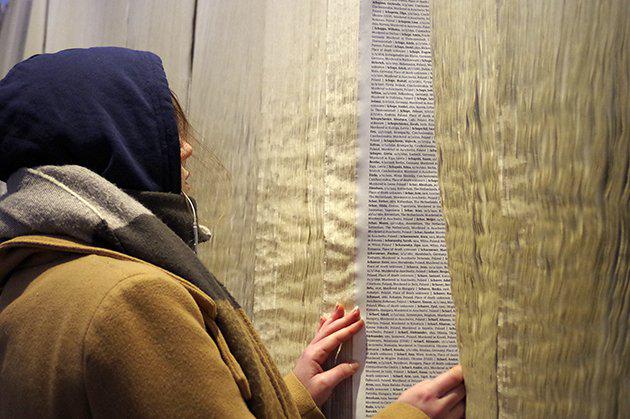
(302, 398)
(147, 354)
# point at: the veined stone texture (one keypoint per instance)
(531, 123)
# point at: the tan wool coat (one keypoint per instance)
(89, 332)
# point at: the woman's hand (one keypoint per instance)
(331, 333)
(441, 397)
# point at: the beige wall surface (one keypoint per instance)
(532, 116)
(262, 100)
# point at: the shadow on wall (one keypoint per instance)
(4, 5)
(14, 17)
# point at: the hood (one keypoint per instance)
(106, 109)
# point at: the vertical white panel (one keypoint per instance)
(340, 226)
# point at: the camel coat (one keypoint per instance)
(89, 332)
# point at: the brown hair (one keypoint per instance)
(209, 162)
(184, 128)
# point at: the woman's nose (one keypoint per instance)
(185, 151)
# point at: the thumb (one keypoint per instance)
(335, 375)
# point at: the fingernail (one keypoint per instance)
(355, 310)
(355, 365)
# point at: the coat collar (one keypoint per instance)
(14, 254)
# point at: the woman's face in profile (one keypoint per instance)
(185, 151)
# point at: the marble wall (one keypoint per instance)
(531, 124)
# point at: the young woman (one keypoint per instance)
(105, 310)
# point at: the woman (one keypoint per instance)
(105, 310)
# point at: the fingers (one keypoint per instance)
(328, 344)
(322, 320)
(456, 412)
(337, 313)
(335, 375)
(338, 324)
(441, 397)
(450, 399)
(448, 380)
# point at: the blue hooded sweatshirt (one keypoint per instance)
(107, 109)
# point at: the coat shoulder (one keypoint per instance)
(108, 271)
(47, 302)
